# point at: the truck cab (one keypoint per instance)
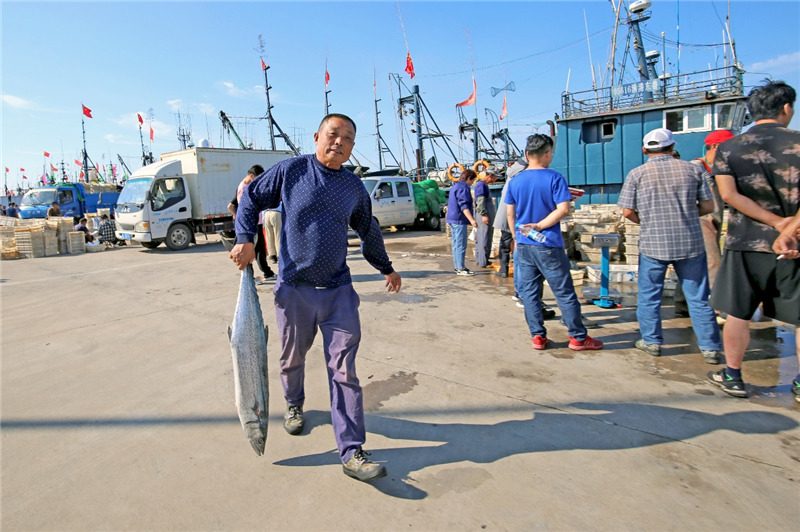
(151, 207)
(392, 200)
(73, 199)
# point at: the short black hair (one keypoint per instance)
(766, 101)
(104, 217)
(337, 115)
(538, 145)
(256, 170)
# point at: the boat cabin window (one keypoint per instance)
(724, 116)
(687, 120)
(594, 132)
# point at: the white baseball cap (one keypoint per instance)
(658, 138)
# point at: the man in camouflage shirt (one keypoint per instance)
(758, 174)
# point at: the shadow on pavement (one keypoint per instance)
(616, 427)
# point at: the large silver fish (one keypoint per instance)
(248, 336)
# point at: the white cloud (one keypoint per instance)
(175, 104)
(238, 92)
(117, 139)
(206, 108)
(777, 65)
(17, 102)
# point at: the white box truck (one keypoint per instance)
(184, 193)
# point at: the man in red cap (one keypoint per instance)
(711, 224)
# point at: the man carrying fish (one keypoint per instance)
(314, 290)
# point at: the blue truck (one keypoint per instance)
(74, 199)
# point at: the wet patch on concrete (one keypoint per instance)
(525, 377)
(703, 391)
(377, 392)
(791, 446)
(461, 480)
(385, 297)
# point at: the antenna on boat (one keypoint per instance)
(382, 147)
(273, 125)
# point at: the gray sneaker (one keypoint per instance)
(362, 468)
(712, 357)
(293, 419)
(650, 349)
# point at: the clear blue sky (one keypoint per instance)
(197, 58)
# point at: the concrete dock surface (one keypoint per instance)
(118, 409)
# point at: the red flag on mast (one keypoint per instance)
(46, 154)
(151, 132)
(263, 66)
(53, 168)
(141, 120)
(504, 111)
(327, 77)
(409, 65)
(87, 111)
(21, 169)
(472, 97)
(78, 162)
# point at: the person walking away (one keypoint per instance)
(758, 174)
(460, 215)
(484, 207)
(314, 290)
(54, 211)
(710, 224)
(12, 211)
(667, 196)
(260, 242)
(272, 231)
(537, 199)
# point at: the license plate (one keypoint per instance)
(126, 236)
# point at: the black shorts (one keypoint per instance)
(748, 278)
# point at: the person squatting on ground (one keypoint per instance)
(484, 207)
(758, 174)
(314, 289)
(711, 224)
(106, 232)
(667, 196)
(460, 216)
(81, 226)
(538, 198)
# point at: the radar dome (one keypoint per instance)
(203, 143)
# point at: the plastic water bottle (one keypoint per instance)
(531, 233)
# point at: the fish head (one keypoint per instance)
(257, 434)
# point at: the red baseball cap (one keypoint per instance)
(718, 137)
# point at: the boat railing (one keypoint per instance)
(695, 86)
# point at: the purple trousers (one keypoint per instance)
(300, 310)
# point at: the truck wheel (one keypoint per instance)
(150, 245)
(433, 223)
(178, 237)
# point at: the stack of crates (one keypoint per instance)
(631, 232)
(30, 241)
(65, 226)
(8, 243)
(76, 242)
(593, 219)
(50, 238)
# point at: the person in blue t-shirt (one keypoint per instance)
(537, 199)
(314, 290)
